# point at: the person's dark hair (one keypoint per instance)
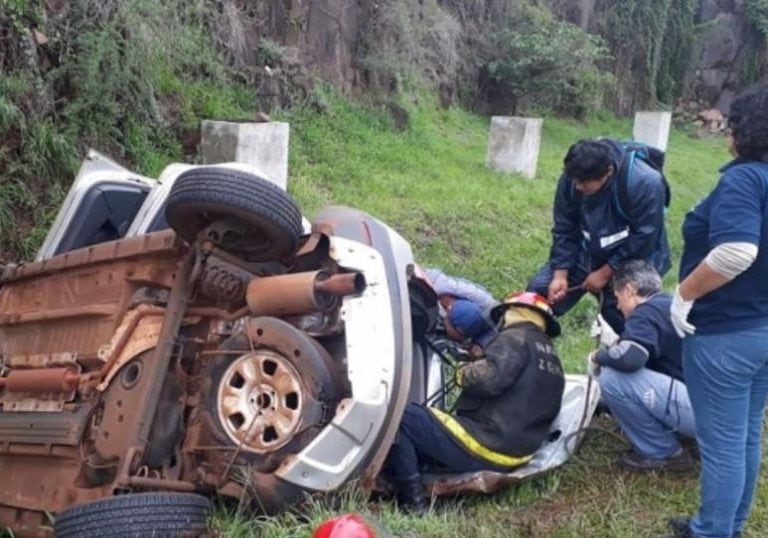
(748, 120)
(588, 159)
(641, 274)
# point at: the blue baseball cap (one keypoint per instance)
(467, 318)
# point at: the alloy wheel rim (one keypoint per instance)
(260, 400)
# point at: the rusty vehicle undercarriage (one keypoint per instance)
(151, 363)
(208, 341)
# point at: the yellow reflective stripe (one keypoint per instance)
(472, 444)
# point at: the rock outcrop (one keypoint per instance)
(321, 38)
(722, 50)
(317, 37)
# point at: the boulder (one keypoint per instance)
(726, 42)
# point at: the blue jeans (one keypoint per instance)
(576, 275)
(727, 378)
(422, 440)
(650, 411)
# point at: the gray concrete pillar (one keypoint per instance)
(513, 145)
(263, 145)
(652, 128)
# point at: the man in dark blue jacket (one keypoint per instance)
(595, 230)
(641, 374)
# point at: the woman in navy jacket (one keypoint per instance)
(721, 307)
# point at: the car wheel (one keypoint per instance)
(138, 514)
(270, 392)
(258, 220)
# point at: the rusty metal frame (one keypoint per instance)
(154, 243)
(158, 367)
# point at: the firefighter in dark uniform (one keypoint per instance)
(508, 401)
(607, 211)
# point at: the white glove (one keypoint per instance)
(593, 368)
(595, 329)
(600, 328)
(678, 312)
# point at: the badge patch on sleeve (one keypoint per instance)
(609, 240)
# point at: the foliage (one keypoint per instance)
(490, 52)
(521, 46)
(406, 40)
(269, 52)
(132, 79)
(757, 14)
(676, 50)
(21, 12)
(550, 63)
(651, 41)
(138, 68)
(754, 66)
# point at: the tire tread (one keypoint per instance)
(138, 514)
(228, 191)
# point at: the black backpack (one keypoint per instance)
(651, 156)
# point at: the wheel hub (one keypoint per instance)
(260, 401)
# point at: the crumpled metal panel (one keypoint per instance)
(552, 454)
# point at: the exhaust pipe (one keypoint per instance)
(41, 380)
(301, 293)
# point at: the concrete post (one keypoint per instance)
(652, 128)
(513, 145)
(263, 145)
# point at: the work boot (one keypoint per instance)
(681, 528)
(679, 461)
(410, 494)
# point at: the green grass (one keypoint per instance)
(431, 184)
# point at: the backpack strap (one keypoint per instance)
(622, 187)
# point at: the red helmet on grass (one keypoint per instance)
(345, 526)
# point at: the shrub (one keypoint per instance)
(757, 14)
(131, 79)
(269, 52)
(652, 44)
(549, 63)
(407, 40)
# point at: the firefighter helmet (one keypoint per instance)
(532, 300)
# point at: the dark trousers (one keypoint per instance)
(576, 275)
(421, 440)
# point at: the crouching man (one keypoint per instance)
(508, 400)
(641, 374)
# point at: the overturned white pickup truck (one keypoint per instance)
(195, 336)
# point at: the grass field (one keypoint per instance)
(430, 183)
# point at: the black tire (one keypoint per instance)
(316, 369)
(157, 514)
(270, 218)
